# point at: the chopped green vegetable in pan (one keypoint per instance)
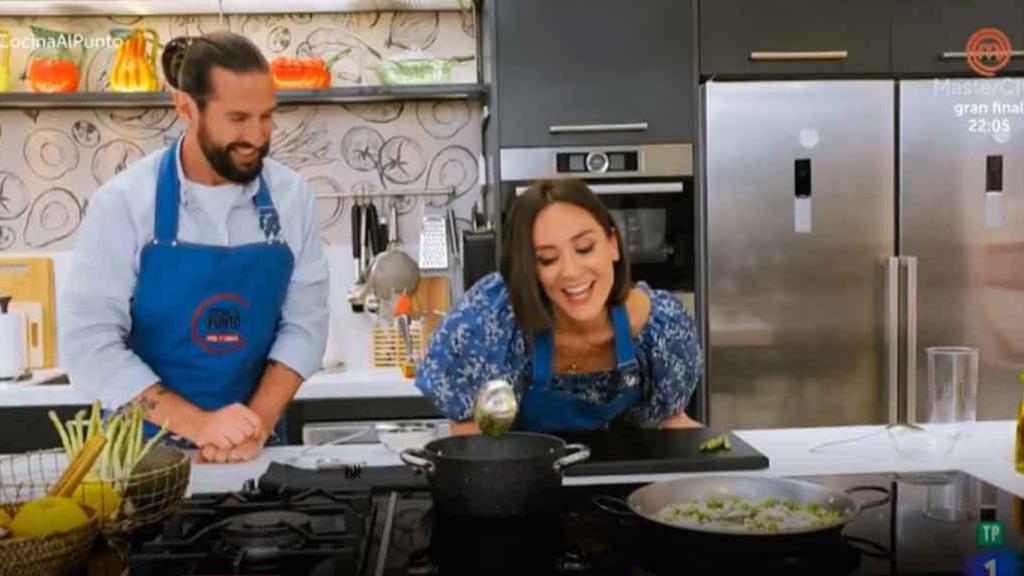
(770, 515)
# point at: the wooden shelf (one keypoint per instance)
(175, 7)
(328, 96)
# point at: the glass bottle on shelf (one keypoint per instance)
(5, 60)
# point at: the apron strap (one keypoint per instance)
(270, 222)
(625, 354)
(543, 352)
(168, 198)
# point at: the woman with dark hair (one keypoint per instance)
(581, 345)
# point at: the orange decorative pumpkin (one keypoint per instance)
(300, 73)
(50, 75)
(134, 68)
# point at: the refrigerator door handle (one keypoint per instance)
(955, 55)
(892, 336)
(909, 266)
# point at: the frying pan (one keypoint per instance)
(645, 503)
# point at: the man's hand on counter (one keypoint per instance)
(277, 387)
(228, 427)
(231, 434)
(243, 452)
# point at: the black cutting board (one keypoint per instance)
(285, 479)
(641, 451)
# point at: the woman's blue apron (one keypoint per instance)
(204, 317)
(545, 410)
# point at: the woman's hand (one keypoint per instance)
(680, 420)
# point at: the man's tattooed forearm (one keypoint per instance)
(147, 404)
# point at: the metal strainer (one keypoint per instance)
(394, 272)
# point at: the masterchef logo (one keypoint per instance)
(217, 324)
(988, 51)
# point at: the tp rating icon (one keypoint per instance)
(990, 534)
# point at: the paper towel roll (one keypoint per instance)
(12, 346)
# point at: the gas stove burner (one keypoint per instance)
(261, 536)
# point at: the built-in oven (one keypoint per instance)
(649, 191)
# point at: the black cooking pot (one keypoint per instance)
(514, 475)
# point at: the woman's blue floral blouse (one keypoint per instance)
(480, 341)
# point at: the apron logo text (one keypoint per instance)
(217, 324)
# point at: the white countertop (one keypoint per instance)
(987, 455)
(365, 383)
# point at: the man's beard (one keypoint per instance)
(219, 158)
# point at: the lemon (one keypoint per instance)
(46, 516)
(99, 496)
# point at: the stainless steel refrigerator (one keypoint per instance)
(849, 226)
(961, 180)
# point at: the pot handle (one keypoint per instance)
(418, 459)
(612, 505)
(574, 454)
(874, 503)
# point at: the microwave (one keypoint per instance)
(649, 191)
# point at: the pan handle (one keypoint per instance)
(574, 454)
(612, 505)
(874, 503)
(867, 547)
(418, 459)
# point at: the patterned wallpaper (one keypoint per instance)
(51, 161)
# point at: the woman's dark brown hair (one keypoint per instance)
(188, 60)
(519, 260)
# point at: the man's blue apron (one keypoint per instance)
(545, 410)
(204, 317)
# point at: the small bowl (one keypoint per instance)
(399, 437)
(919, 444)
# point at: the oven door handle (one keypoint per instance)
(628, 188)
(638, 188)
(585, 128)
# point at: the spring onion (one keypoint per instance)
(720, 442)
(125, 446)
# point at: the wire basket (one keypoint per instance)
(47, 555)
(154, 491)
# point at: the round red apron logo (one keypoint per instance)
(988, 51)
(217, 324)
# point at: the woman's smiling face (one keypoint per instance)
(575, 260)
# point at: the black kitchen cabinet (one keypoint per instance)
(604, 71)
(930, 36)
(783, 38)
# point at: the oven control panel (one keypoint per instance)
(597, 162)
